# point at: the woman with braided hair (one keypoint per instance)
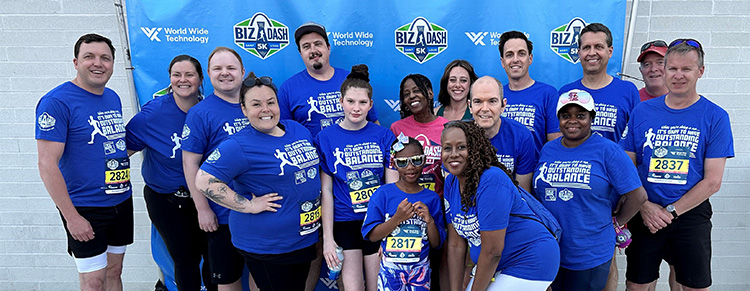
(484, 208)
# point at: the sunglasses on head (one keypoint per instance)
(656, 43)
(414, 160)
(251, 81)
(689, 41)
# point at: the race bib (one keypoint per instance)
(669, 165)
(117, 176)
(427, 181)
(309, 216)
(360, 191)
(404, 244)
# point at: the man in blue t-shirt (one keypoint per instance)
(84, 164)
(514, 144)
(311, 97)
(530, 102)
(615, 98)
(680, 143)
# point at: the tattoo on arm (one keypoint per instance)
(241, 200)
(215, 180)
(213, 196)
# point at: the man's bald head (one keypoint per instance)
(488, 83)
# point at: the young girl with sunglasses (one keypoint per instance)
(408, 219)
(354, 162)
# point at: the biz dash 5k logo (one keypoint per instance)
(421, 40)
(564, 39)
(261, 36)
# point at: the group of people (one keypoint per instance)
(257, 175)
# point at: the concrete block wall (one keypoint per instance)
(36, 53)
(36, 40)
(723, 27)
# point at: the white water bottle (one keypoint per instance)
(335, 272)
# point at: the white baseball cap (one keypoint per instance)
(578, 97)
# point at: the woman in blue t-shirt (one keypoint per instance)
(354, 162)
(275, 189)
(579, 178)
(158, 128)
(484, 208)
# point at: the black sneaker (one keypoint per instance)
(160, 286)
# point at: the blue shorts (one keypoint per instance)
(594, 279)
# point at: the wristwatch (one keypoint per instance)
(670, 209)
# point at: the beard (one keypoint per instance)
(317, 65)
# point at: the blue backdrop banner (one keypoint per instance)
(394, 38)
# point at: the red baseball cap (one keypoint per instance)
(657, 46)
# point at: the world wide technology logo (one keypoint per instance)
(261, 36)
(421, 40)
(564, 39)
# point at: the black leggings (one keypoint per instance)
(177, 222)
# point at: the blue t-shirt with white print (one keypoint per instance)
(530, 252)
(157, 131)
(207, 124)
(577, 185)
(356, 160)
(314, 103)
(515, 147)
(94, 163)
(534, 107)
(383, 206)
(613, 104)
(671, 145)
(258, 163)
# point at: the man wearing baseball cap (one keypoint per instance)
(652, 69)
(311, 97)
(680, 143)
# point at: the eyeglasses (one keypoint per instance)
(414, 160)
(656, 43)
(689, 41)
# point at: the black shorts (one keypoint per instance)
(226, 263)
(685, 244)
(112, 225)
(348, 235)
(287, 271)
